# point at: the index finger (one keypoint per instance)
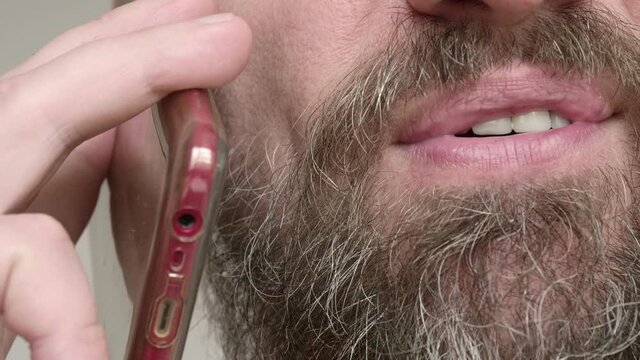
(50, 110)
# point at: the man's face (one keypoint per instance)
(425, 179)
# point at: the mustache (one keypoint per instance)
(423, 55)
(582, 39)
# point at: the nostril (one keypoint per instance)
(497, 12)
(477, 4)
(451, 10)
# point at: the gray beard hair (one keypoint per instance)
(312, 261)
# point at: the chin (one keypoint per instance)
(527, 271)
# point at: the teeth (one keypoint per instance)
(531, 122)
(534, 121)
(558, 121)
(493, 127)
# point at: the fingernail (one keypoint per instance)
(217, 18)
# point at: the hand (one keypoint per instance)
(57, 110)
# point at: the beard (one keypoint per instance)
(317, 260)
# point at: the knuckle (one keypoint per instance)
(65, 41)
(16, 103)
(42, 227)
(82, 35)
(8, 90)
(68, 40)
(49, 226)
(104, 19)
(159, 76)
(102, 24)
(34, 233)
(13, 101)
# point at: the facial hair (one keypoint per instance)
(318, 263)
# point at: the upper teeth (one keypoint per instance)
(531, 122)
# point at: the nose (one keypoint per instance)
(502, 12)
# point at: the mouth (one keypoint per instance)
(516, 118)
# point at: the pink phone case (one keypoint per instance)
(196, 157)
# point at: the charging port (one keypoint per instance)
(165, 317)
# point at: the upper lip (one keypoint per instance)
(504, 92)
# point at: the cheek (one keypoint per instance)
(304, 47)
(633, 7)
(325, 39)
(627, 10)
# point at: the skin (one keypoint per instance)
(301, 48)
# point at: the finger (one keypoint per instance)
(50, 110)
(70, 197)
(39, 262)
(140, 14)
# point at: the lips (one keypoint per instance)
(508, 93)
(550, 117)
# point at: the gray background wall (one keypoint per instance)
(25, 26)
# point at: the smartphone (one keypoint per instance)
(193, 142)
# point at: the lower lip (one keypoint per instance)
(501, 152)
